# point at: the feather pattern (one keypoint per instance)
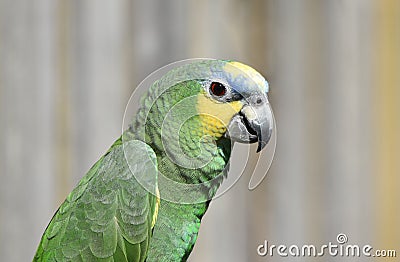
(108, 216)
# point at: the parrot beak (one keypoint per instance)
(253, 123)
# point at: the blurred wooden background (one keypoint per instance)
(67, 69)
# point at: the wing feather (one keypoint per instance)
(109, 215)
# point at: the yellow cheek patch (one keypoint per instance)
(215, 116)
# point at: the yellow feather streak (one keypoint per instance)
(153, 221)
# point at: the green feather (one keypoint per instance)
(108, 216)
(106, 213)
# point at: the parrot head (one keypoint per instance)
(234, 104)
(192, 115)
(196, 106)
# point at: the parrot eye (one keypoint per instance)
(217, 89)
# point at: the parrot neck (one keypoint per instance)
(172, 125)
(177, 224)
(191, 161)
(188, 157)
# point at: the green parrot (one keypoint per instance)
(145, 198)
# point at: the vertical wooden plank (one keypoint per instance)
(62, 119)
(159, 34)
(347, 101)
(217, 29)
(387, 122)
(365, 182)
(314, 113)
(98, 80)
(286, 189)
(26, 75)
(3, 117)
(197, 35)
(257, 34)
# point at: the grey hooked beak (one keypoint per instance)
(253, 123)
